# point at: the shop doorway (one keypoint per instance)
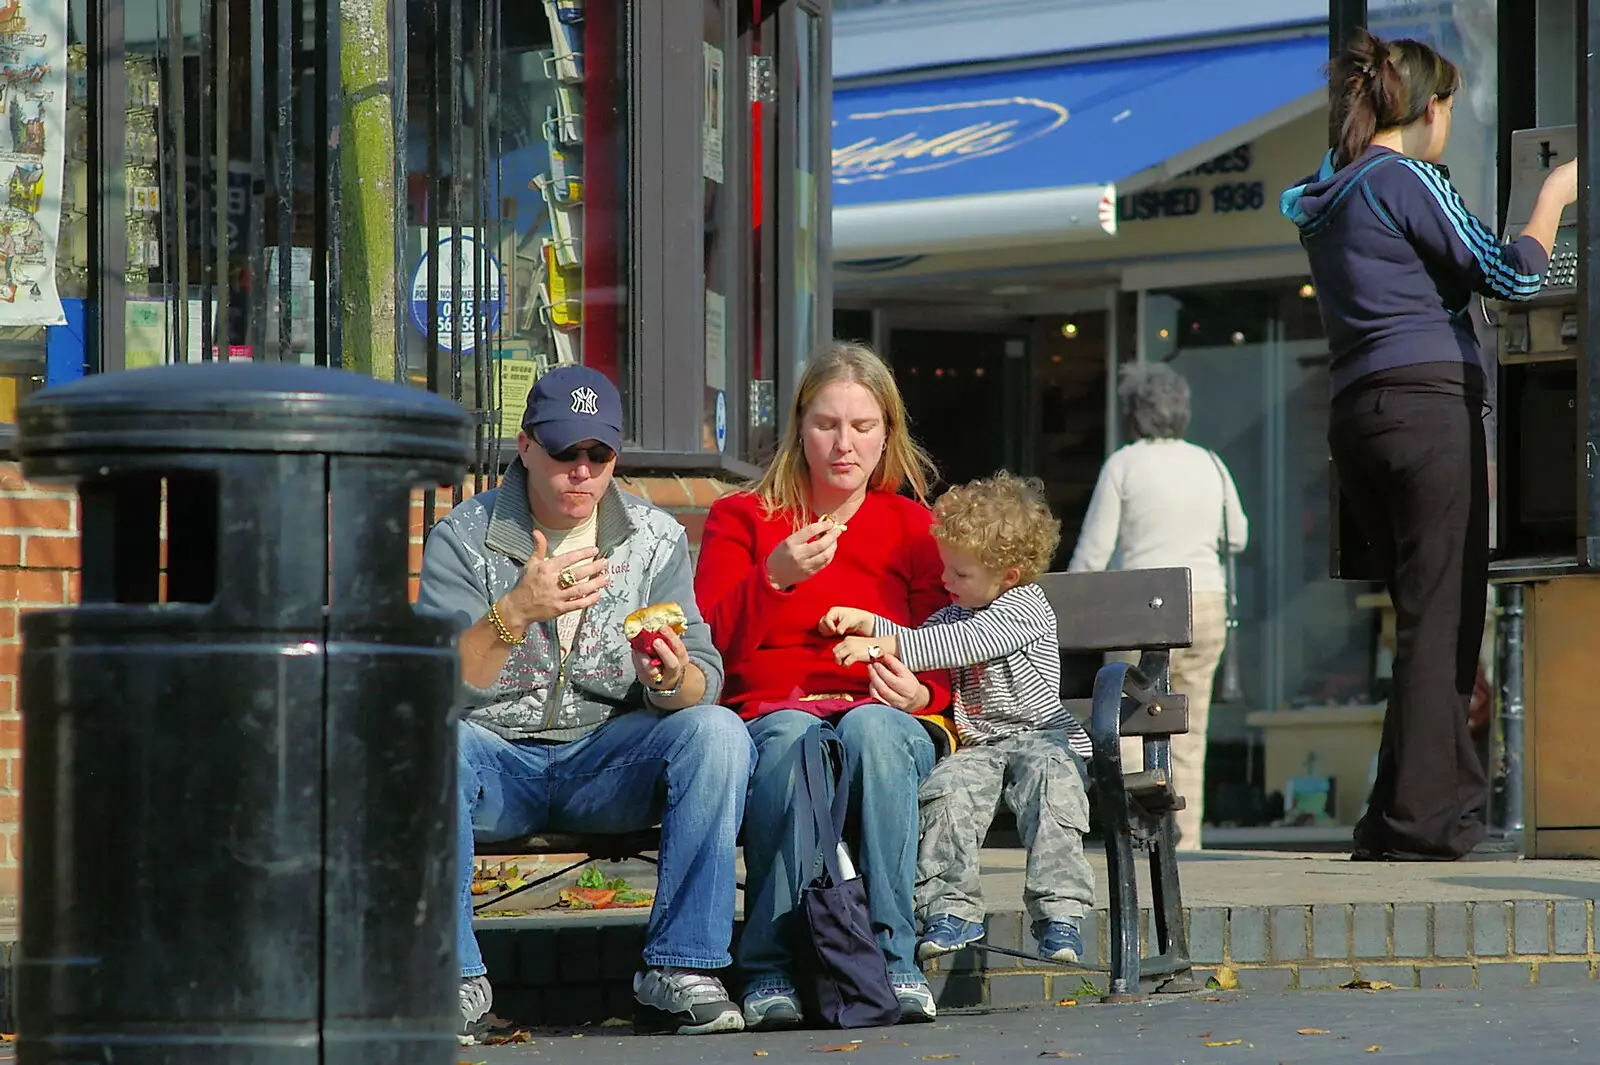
(963, 393)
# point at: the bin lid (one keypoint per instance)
(246, 406)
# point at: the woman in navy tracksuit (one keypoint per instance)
(1396, 258)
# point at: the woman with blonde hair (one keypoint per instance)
(839, 518)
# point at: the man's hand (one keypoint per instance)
(550, 587)
(847, 621)
(803, 553)
(892, 684)
(663, 668)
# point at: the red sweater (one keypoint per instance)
(887, 563)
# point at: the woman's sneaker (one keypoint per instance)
(1058, 939)
(476, 998)
(682, 1001)
(916, 1000)
(946, 934)
(766, 1011)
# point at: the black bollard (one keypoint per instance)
(239, 807)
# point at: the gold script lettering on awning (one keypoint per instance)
(869, 158)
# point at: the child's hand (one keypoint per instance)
(847, 621)
(853, 649)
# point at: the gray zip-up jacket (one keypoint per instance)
(477, 553)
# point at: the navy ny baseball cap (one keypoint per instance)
(571, 404)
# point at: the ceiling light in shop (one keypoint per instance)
(1014, 290)
(1238, 338)
(1165, 334)
(1070, 329)
(1307, 291)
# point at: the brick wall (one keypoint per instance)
(39, 569)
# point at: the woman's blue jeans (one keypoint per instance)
(887, 753)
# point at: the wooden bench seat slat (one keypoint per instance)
(1122, 610)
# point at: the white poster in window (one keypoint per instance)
(33, 135)
(711, 109)
(716, 340)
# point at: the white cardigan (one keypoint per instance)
(1160, 502)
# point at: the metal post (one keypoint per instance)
(1588, 372)
(1345, 17)
(1511, 639)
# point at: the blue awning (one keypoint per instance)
(1036, 155)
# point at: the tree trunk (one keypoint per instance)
(369, 204)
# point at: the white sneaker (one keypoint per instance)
(684, 1001)
(916, 1001)
(766, 1011)
(476, 998)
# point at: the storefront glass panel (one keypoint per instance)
(1256, 363)
(542, 167)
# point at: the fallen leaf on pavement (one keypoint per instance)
(1310, 1031)
(761, 1053)
(936, 1057)
(1222, 1042)
(1067, 1002)
(509, 1037)
(1224, 979)
(1374, 1048)
(474, 1063)
(1059, 1054)
(840, 1048)
(1368, 985)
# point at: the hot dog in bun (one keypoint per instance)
(643, 625)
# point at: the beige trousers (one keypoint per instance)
(1192, 671)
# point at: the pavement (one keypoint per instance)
(1548, 1026)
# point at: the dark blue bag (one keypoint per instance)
(849, 978)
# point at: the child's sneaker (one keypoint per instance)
(947, 934)
(1058, 939)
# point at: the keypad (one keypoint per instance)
(1563, 271)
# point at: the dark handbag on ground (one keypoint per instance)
(848, 985)
(1229, 688)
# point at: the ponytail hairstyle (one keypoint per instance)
(1384, 85)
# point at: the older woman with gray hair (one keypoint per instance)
(1162, 502)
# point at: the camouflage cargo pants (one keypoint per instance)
(1040, 781)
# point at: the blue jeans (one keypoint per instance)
(887, 753)
(686, 770)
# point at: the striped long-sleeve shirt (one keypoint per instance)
(1006, 663)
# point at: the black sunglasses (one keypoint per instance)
(594, 454)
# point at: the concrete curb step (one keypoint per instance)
(571, 970)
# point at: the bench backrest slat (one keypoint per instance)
(1121, 610)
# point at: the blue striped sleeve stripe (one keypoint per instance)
(1488, 251)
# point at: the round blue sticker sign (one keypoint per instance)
(486, 310)
(722, 421)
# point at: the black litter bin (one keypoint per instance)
(239, 805)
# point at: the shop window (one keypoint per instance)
(531, 186)
(1256, 362)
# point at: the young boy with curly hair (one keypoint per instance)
(1018, 742)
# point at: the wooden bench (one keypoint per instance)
(1140, 610)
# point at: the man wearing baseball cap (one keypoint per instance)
(566, 726)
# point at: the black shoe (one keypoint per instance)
(1489, 850)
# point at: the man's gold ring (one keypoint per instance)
(567, 579)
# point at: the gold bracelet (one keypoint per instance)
(500, 629)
